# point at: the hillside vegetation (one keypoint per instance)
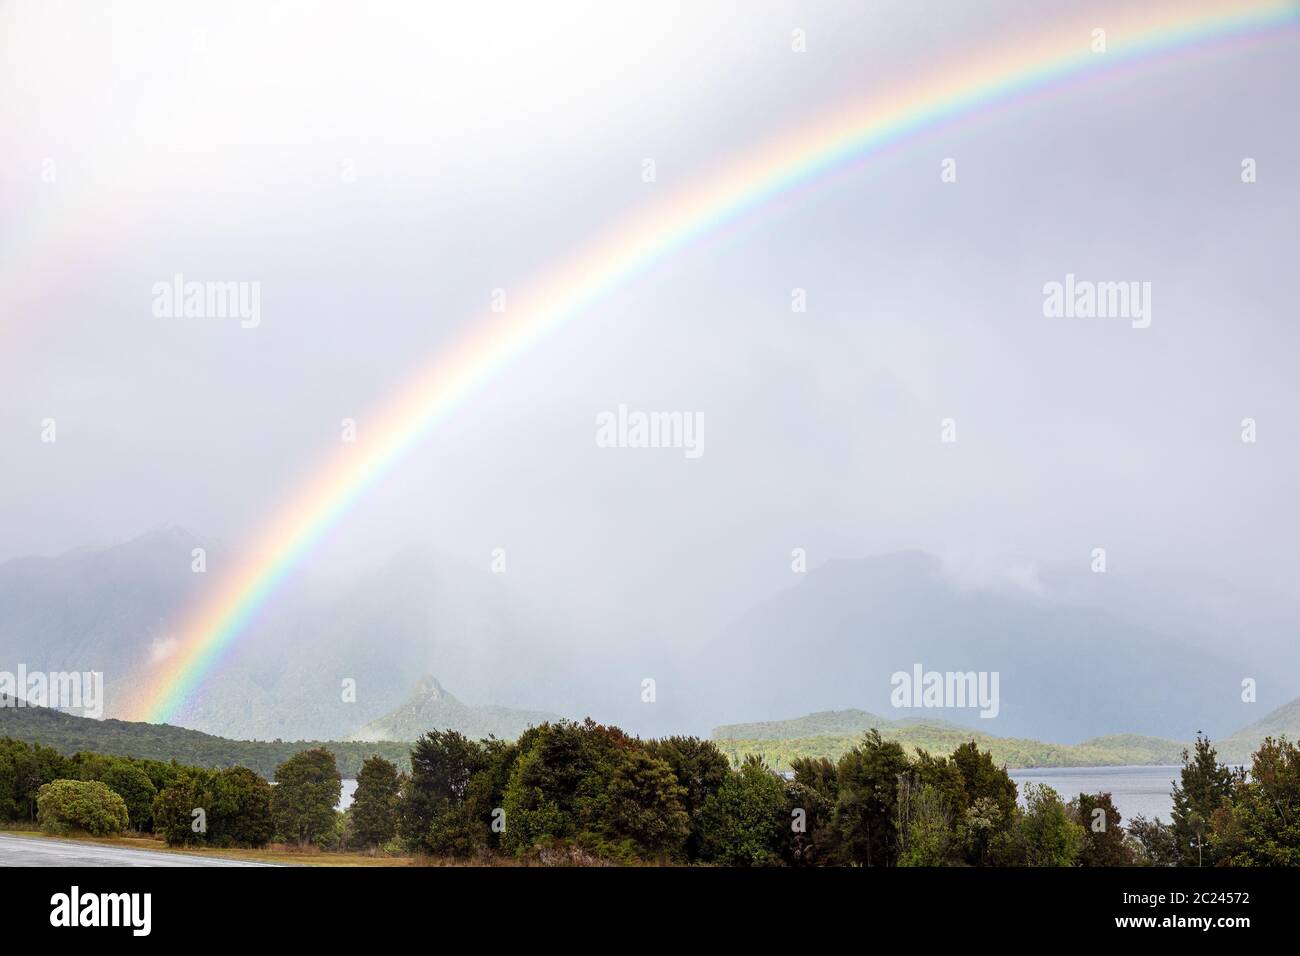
(1282, 722)
(1013, 752)
(121, 738)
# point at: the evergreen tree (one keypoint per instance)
(1206, 786)
(243, 809)
(701, 768)
(1104, 839)
(374, 807)
(867, 804)
(307, 790)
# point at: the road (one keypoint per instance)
(39, 851)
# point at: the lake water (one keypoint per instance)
(1135, 790)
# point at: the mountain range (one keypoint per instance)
(1067, 670)
(829, 734)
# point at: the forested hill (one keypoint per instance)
(1282, 722)
(69, 734)
(832, 733)
(824, 723)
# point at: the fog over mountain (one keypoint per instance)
(1067, 671)
(387, 179)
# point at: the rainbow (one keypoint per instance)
(1133, 37)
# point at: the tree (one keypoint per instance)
(1261, 827)
(701, 768)
(640, 812)
(307, 790)
(243, 815)
(27, 769)
(985, 831)
(8, 784)
(1156, 843)
(85, 805)
(559, 782)
(925, 824)
(374, 807)
(744, 823)
(135, 788)
(437, 814)
(186, 809)
(1205, 787)
(1045, 833)
(982, 778)
(866, 809)
(810, 799)
(1104, 842)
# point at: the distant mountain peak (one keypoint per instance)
(431, 707)
(427, 686)
(168, 532)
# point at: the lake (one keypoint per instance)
(1135, 790)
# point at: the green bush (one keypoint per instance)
(84, 805)
(137, 791)
(744, 823)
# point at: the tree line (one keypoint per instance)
(69, 734)
(588, 793)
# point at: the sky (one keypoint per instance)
(381, 169)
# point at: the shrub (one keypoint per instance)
(83, 805)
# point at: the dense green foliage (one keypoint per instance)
(1261, 827)
(374, 808)
(586, 793)
(87, 806)
(1205, 787)
(743, 823)
(597, 787)
(68, 734)
(201, 807)
(445, 809)
(24, 769)
(1105, 842)
(1046, 833)
(307, 790)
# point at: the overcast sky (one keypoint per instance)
(379, 172)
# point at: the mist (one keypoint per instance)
(380, 178)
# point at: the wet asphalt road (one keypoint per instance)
(39, 851)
